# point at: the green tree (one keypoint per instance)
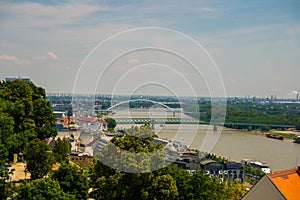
(163, 187)
(5, 184)
(42, 189)
(234, 191)
(61, 149)
(181, 177)
(106, 186)
(7, 135)
(111, 123)
(204, 187)
(72, 180)
(44, 119)
(297, 124)
(24, 106)
(21, 92)
(39, 158)
(133, 153)
(108, 183)
(137, 185)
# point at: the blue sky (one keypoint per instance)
(254, 44)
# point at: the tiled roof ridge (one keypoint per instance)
(283, 173)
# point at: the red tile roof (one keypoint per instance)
(92, 119)
(288, 182)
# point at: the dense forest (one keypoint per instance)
(27, 121)
(252, 112)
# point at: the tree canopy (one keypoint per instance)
(251, 112)
(42, 189)
(5, 185)
(134, 152)
(61, 149)
(111, 123)
(72, 180)
(39, 158)
(25, 115)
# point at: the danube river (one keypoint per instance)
(233, 144)
(237, 145)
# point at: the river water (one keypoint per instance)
(233, 144)
(237, 145)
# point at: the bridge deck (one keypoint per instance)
(174, 120)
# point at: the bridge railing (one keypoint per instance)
(254, 122)
(195, 121)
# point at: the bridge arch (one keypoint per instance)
(133, 100)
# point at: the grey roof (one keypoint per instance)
(207, 161)
(264, 189)
(87, 138)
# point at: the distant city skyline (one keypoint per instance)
(136, 96)
(247, 48)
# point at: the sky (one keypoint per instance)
(171, 47)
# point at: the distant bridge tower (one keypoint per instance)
(249, 128)
(215, 128)
(152, 124)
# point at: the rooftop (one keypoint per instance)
(288, 182)
(207, 161)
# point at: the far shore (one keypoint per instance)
(288, 132)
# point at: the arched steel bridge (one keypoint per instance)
(133, 100)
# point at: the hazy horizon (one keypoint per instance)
(181, 96)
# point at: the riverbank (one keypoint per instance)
(236, 144)
(289, 134)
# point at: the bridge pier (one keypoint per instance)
(152, 126)
(249, 128)
(215, 127)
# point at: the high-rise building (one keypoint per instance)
(18, 78)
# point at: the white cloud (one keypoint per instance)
(208, 9)
(133, 61)
(41, 15)
(52, 55)
(120, 68)
(13, 59)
